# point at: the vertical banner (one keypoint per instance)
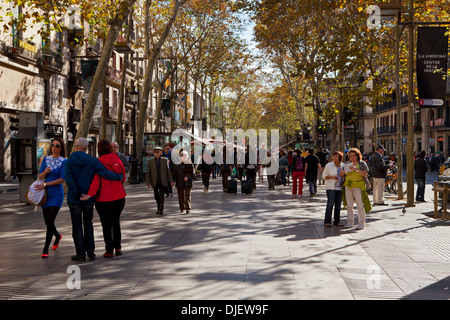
(431, 65)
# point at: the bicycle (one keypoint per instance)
(391, 182)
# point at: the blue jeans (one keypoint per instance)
(312, 186)
(334, 199)
(82, 227)
(283, 173)
(420, 194)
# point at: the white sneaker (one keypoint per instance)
(359, 227)
(348, 226)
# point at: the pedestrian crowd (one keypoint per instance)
(98, 182)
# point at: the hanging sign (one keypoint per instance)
(431, 65)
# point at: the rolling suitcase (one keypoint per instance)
(232, 186)
(278, 180)
(246, 187)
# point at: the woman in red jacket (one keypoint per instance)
(109, 198)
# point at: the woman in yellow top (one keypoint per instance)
(355, 172)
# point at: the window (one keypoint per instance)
(47, 106)
(16, 32)
(60, 98)
(114, 97)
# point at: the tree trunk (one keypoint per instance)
(149, 72)
(119, 137)
(99, 77)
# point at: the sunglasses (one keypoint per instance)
(56, 146)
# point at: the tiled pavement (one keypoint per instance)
(264, 246)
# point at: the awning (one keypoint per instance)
(285, 145)
(26, 133)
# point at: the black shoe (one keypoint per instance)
(78, 258)
(91, 255)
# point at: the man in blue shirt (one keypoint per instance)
(80, 169)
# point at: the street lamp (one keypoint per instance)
(133, 97)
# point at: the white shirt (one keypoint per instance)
(332, 170)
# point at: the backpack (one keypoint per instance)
(298, 164)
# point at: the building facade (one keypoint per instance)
(48, 80)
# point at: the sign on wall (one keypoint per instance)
(431, 65)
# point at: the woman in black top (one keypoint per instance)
(421, 168)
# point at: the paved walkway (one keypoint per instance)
(267, 245)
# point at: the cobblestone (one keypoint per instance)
(267, 245)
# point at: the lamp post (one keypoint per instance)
(393, 11)
(133, 97)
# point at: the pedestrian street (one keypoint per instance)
(269, 245)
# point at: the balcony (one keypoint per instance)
(131, 66)
(439, 123)
(390, 104)
(75, 82)
(50, 60)
(73, 115)
(114, 74)
(20, 50)
(3, 47)
(387, 130)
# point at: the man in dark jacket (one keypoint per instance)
(168, 155)
(421, 168)
(312, 168)
(379, 169)
(322, 155)
(80, 169)
(159, 177)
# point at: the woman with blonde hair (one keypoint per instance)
(355, 171)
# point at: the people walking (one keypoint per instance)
(183, 175)
(298, 172)
(225, 171)
(168, 155)
(158, 177)
(109, 198)
(290, 158)
(270, 177)
(283, 168)
(379, 170)
(52, 172)
(322, 155)
(312, 167)
(80, 170)
(206, 169)
(333, 186)
(122, 157)
(355, 170)
(420, 168)
(251, 166)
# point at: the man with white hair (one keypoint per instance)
(121, 156)
(80, 169)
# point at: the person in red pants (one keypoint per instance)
(298, 172)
